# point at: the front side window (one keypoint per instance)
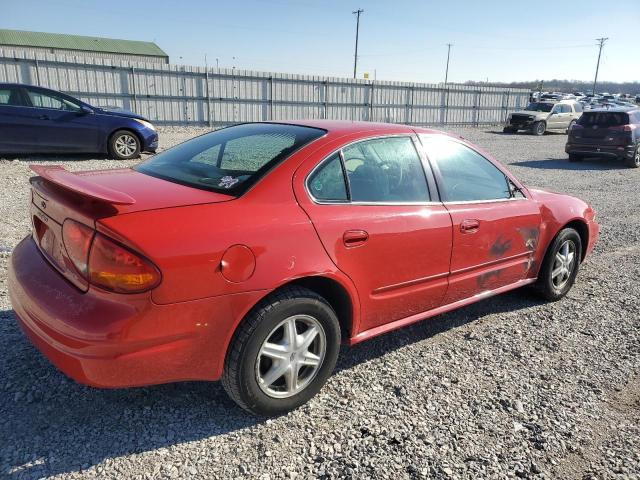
(385, 170)
(229, 160)
(45, 100)
(566, 108)
(539, 107)
(577, 107)
(10, 97)
(466, 176)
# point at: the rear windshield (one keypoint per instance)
(540, 107)
(229, 160)
(603, 119)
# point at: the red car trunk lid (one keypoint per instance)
(86, 197)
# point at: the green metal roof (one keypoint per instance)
(77, 42)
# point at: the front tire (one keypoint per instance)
(634, 162)
(124, 145)
(539, 128)
(560, 265)
(282, 353)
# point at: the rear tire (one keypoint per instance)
(265, 344)
(124, 145)
(557, 273)
(539, 128)
(574, 157)
(634, 162)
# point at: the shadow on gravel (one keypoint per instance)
(565, 164)
(67, 157)
(378, 346)
(51, 425)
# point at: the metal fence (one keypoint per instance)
(181, 95)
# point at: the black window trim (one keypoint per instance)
(431, 192)
(440, 184)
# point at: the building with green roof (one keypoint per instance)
(80, 47)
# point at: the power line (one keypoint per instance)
(601, 42)
(355, 57)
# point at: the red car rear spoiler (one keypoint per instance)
(57, 175)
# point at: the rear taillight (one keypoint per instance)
(105, 263)
(629, 128)
(77, 241)
(116, 268)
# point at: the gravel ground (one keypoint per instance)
(509, 387)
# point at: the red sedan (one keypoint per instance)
(250, 253)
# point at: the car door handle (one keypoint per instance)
(44, 117)
(354, 238)
(469, 226)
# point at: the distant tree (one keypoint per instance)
(568, 86)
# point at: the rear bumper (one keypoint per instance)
(604, 151)
(110, 340)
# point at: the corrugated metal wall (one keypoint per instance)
(79, 55)
(171, 94)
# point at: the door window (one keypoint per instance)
(385, 170)
(45, 100)
(327, 183)
(466, 176)
(10, 96)
(565, 108)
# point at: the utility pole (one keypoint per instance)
(355, 57)
(601, 42)
(446, 72)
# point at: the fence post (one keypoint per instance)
(271, 98)
(476, 106)
(443, 105)
(371, 102)
(133, 86)
(326, 99)
(409, 105)
(206, 79)
(37, 73)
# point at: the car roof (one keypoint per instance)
(346, 126)
(615, 110)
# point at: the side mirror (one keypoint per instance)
(85, 110)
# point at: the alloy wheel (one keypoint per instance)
(125, 145)
(563, 264)
(291, 356)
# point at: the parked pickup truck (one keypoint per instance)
(539, 117)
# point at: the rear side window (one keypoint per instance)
(229, 160)
(603, 119)
(466, 176)
(10, 97)
(577, 107)
(385, 170)
(327, 183)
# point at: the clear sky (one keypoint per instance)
(399, 40)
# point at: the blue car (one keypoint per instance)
(39, 120)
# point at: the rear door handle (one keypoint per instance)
(44, 117)
(469, 226)
(354, 238)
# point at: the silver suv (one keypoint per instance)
(539, 117)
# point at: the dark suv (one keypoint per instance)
(608, 133)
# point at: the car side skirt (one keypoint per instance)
(373, 332)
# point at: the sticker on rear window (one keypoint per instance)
(228, 182)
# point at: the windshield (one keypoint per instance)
(231, 159)
(539, 107)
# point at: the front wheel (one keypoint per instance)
(560, 265)
(539, 128)
(282, 353)
(124, 145)
(634, 162)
